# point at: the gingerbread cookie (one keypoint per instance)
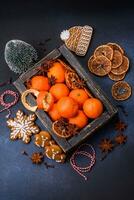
(52, 150)
(22, 126)
(43, 139)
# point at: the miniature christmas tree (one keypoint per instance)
(19, 55)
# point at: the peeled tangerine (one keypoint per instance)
(93, 108)
(45, 100)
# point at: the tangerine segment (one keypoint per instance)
(117, 59)
(53, 113)
(79, 95)
(40, 83)
(104, 50)
(40, 98)
(59, 90)
(67, 107)
(79, 120)
(115, 46)
(48, 101)
(90, 63)
(116, 77)
(101, 66)
(121, 90)
(93, 108)
(122, 68)
(58, 71)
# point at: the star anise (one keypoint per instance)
(120, 126)
(106, 145)
(121, 139)
(80, 84)
(67, 128)
(44, 67)
(37, 158)
(52, 80)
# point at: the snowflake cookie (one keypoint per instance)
(22, 126)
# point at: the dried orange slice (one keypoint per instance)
(101, 66)
(63, 129)
(121, 90)
(115, 46)
(24, 99)
(117, 59)
(90, 63)
(116, 77)
(73, 81)
(104, 50)
(122, 68)
(67, 67)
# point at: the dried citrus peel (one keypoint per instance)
(24, 99)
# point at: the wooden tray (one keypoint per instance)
(109, 111)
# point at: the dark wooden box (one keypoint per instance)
(109, 112)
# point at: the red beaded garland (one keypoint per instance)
(91, 156)
(7, 106)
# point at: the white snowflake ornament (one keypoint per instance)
(22, 127)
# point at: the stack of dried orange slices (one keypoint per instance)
(109, 59)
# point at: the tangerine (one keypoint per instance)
(67, 107)
(40, 83)
(59, 90)
(79, 95)
(79, 120)
(53, 113)
(93, 108)
(58, 71)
